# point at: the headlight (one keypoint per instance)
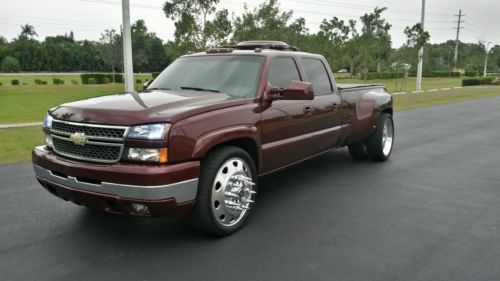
(148, 132)
(158, 155)
(47, 122)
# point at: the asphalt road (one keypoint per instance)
(430, 213)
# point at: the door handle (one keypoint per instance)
(308, 110)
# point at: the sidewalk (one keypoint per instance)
(21, 125)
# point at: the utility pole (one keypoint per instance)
(421, 54)
(455, 59)
(128, 67)
(486, 59)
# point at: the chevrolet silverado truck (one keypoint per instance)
(195, 141)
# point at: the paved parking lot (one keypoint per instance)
(431, 213)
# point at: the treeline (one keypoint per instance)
(361, 45)
(63, 53)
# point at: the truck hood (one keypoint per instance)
(146, 107)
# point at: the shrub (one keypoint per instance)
(74, 81)
(138, 81)
(477, 81)
(40, 82)
(90, 81)
(1, 84)
(58, 81)
(155, 74)
(14, 82)
(10, 64)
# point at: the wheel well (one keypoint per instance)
(388, 110)
(246, 144)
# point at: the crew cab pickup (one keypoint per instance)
(195, 141)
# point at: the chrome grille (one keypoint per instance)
(103, 143)
(100, 153)
(98, 131)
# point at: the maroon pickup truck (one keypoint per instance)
(198, 137)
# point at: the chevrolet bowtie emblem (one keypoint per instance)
(78, 138)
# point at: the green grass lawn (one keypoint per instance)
(30, 103)
(410, 101)
(399, 85)
(16, 144)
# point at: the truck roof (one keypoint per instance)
(256, 47)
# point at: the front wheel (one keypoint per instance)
(226, 191)
(379, 146)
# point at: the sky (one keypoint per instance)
(88, 18)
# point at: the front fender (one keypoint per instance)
(216, 137)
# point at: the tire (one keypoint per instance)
(358, 151)
(379, 145)
(224, 198)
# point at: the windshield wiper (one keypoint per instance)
(200, 89)
(156, 88)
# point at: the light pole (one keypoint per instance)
(486, 59)
(128, 67)
(421, 54)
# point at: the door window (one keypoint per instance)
(282, 71)
(318, 76)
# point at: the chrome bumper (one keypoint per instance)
(181, 191)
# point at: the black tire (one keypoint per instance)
(202, 217)
(358, 151)
(375, 144)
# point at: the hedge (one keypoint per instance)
(14, 82)
(382, 75)
(477, 81)
(100, 78)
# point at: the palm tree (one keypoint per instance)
(27, 31)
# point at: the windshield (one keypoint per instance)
(236, 76)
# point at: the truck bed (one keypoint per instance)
(350, 87)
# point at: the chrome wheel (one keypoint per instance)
(232, 192)
(387, 137)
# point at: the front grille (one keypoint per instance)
(101, 143)
(89, 151)
(110, 132)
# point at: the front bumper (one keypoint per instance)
(165, 189)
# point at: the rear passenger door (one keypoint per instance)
(327, 117)
(286, 123)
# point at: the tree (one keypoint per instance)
(198, 23)
(375, 33)
(266, 22)
(111, 49)
(10, 64)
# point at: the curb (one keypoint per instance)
(21, 125)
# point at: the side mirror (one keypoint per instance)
(146, 85)
(296, 90)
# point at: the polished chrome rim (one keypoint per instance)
(387, 137)
(232, 192)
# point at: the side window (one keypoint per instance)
(282, 71)
(318, 76)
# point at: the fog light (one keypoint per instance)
(48, 141)
(140, 209)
